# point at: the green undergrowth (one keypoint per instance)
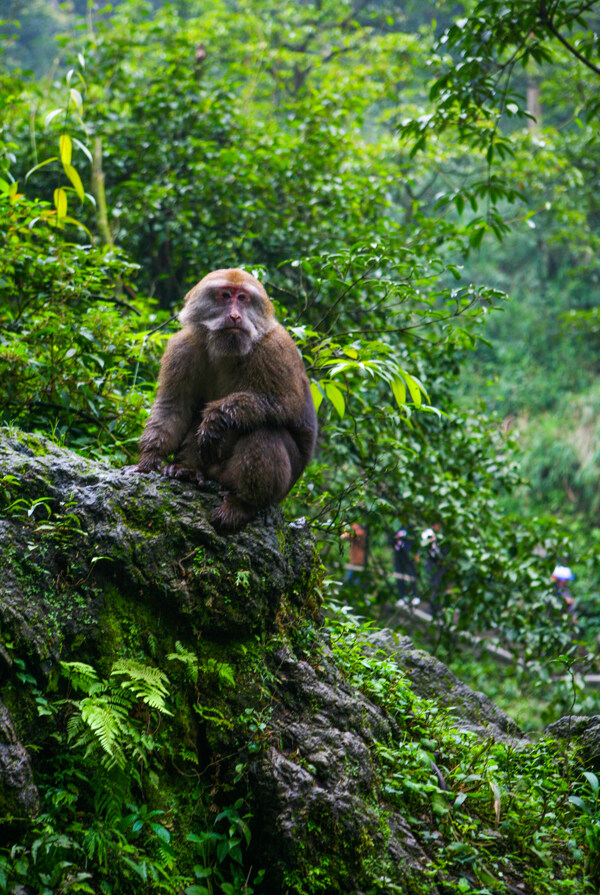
(491, 815)
(141, 767)
(127, 797)
(534, 696)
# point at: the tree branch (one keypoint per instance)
(546, 20)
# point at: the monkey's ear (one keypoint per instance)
(191, 295)
(191, 303)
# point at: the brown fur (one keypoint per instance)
(233, 401)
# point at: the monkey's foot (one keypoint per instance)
(175, 471)
(232, 514)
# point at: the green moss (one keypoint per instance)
(35, 443)
(128, 627)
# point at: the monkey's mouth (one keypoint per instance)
(231, 340)
(233, 331)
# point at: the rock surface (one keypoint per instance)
(97, 565)
(583, 730)
(18, 793)
(434, 680)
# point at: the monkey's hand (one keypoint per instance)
(223, 421)
(212, 434)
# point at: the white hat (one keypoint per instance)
(563, 573)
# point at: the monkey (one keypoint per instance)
(233, 403)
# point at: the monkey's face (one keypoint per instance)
(233, 307)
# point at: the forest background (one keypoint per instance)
(417, 185)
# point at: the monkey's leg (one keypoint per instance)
(261, 470)
(186, 463)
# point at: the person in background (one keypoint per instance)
(434, 567)
(404, 566)
(359, 552)
(561, 576)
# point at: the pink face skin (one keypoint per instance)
(233, 307)
(234, 301)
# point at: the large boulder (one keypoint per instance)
(343, 791)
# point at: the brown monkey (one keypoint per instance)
(233, 401)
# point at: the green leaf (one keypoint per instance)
(317, 395)
(336, 397)
(65, 147)
(162, 832)
(41, 165)
(60, 202)
(51, 116)
(399, 390)
(592, 779)
(69, 220)
(439, 804)
(75, 180)
(76, 97)
(416, 389)
(83, 148)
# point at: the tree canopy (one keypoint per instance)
(390, 177)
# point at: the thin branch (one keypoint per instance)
(547, 21)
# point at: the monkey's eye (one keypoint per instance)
(243, 296)
(225, 293)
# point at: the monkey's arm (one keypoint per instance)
(175, 405)
(275, 395)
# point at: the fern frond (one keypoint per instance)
(108, 720)
(148, 683)
(82, 676)
(112, 791)
(188, 658)
(223, 670)
(74, 726)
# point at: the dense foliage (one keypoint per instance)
(209, 135)
(488, 813)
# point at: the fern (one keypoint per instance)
(74, 726)
(83, 677)
(111, 792)
(223, 670)
(149, 684)
(188, 658)
(107, 718)
(102, 719)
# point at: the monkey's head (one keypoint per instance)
(232, 307)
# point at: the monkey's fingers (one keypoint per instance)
(212, 434)
(175, 471)
(150, 461)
